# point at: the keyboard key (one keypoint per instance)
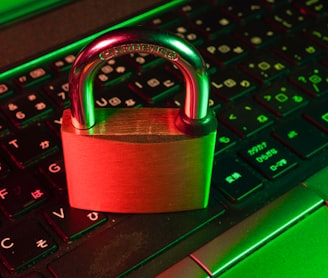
(163, 20)
(269, 157)
(234, 180)
(212, 23)
(24, 244)
(317, 8)
(318, 115)
(193, 8)
(257, 34)
(318, 33)
(4, 168)
(186, 32)
(113, 71)
(5, 90)
(71, 223)
(117, 96)
(301, 137)
(154, 85)
(282, 99)
(134, 241)
(32, 77)
(289, 19)
(26, 108)
(297, 50)
(58, 90)
(53, 169)
(64, 63)
(143, 61)
(224, 140)
(244, 11)
(264, 67)
(178, 100)
(19, 193)
(311, 79)
(245, 118)
(231, 84)
(224, 50)
(28, 145)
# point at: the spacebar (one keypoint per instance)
(120, 248)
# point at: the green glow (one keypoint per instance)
(266, 238)
(13, 9)
(79, 44)
(299, 252)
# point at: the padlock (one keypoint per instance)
(138, 160)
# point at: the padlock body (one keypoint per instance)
(136, 161)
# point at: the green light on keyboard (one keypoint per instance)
(325, 117)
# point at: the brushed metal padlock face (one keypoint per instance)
(136, 160)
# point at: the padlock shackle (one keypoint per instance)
(134, 40)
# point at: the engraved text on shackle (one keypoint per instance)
(138, 48)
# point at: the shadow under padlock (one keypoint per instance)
(144, 160)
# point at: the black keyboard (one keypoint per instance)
(268, 67)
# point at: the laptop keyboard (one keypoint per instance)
(268, 67)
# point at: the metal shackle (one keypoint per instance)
(193, 116)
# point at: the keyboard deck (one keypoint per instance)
(268, 68)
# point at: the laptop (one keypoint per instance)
(268, 68)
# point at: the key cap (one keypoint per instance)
(117, 96)
(301, 137)
(23, 244)
(264, 67)
(224, 50)
(312, 79)
(233, 180)
(282, 99)
(4, 168)
(245, 118)
(212, 23)
(269, 158)
(53, 169)
(64, 63)
(163, 20)
(289, 19)
(154, 85)
(32, 77)
(318, 115)
(26, 108)
(257, 34)
(178, 100)
(143, 61)
(19, 193)
(186, 32)
(225, 139)
(193, 8)
(28, 145)
(316, 9)
(113, 71)
(297, 50)
(58, 90)
(71, 223)
(318, 33)
(134, 241)
(5, 90)
(231, 84)
(243, 11)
